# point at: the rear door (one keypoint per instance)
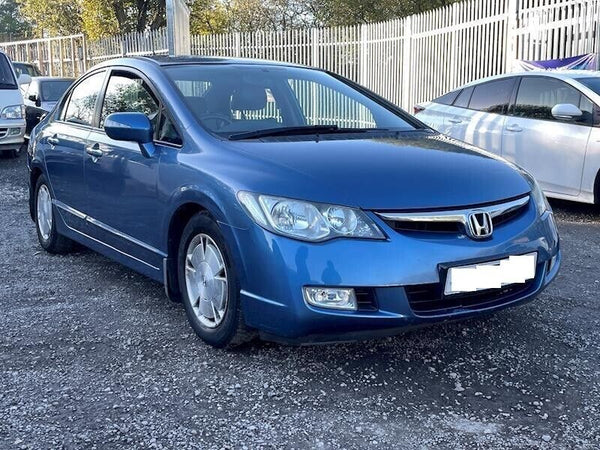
(480, 114)
(64, 141)
(436, 113)
(552, 150)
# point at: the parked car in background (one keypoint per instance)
(27, 68)
(546, 122)
(41, 96)
(12, 109)
(285, 201)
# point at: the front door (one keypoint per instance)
(121, 184)
(553, 151)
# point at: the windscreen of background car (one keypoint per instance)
(52, 91)
(7, 79)
(235, 98)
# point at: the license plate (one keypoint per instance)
(491, 275)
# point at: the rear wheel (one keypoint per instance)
(45, 222)
(209, 285)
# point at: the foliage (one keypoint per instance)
(99, 18)
(12, 23)
(54, 17)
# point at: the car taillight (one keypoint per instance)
(417, 109)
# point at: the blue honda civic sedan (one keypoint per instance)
(285, 202)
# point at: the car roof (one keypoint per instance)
(559, 74)
(47, 78)
(164, 61)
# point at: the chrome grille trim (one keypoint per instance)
(460, 216)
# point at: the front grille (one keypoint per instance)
(429, 300)
(452, 221)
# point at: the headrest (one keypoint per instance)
(248, 97)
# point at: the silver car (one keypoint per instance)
(546, 122)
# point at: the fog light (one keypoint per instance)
(335, 298)
(14, 131)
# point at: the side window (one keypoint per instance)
(166, 130)
(322, 105)
(462, 101)
(447, 99)
(493, 96)
(81, 105)
(129, 93)
(537, 96)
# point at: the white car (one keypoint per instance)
(546, 122)
(12, 109)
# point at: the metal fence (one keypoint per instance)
(406, 60)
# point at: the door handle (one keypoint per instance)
(454, 120)
(53, 140)
(514, 128)
(94, 151)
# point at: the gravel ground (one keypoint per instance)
(92, 355)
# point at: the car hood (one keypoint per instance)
(416, 170)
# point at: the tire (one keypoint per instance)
(48, 236)
(209, 285)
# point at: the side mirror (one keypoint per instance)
(24, 79)
(566, 111)
(133, 127)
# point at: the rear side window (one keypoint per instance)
(82, 103)
(537, 96)
(462, 101)
(493, 96)
(447, 99)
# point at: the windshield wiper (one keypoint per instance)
(8, 85)
(295, 131)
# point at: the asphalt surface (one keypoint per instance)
(92, 355)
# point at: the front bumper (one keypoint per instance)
(274, 269)
(12, 134)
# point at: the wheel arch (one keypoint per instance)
(190, 203)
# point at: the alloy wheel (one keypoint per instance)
(206, 280)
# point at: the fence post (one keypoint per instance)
(84, 58)
(406, 63)
(238, 45)
(314, 61)
(363, 56)
(453, 50)
(50, 59)
(511, 35)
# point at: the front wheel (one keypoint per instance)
(45, 222)
(209, 285)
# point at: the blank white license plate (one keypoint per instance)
(491, 275)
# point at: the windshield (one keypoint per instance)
(52, 91)
(591, 83)
(29, 69)
(7, 79)
(230, 99)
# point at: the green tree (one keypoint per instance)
(54, 17)
(209, 16)
(12, 24)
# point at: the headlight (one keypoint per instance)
(537, 195)
(308, 221)
(13, 112)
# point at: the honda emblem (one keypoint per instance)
(480, 225)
